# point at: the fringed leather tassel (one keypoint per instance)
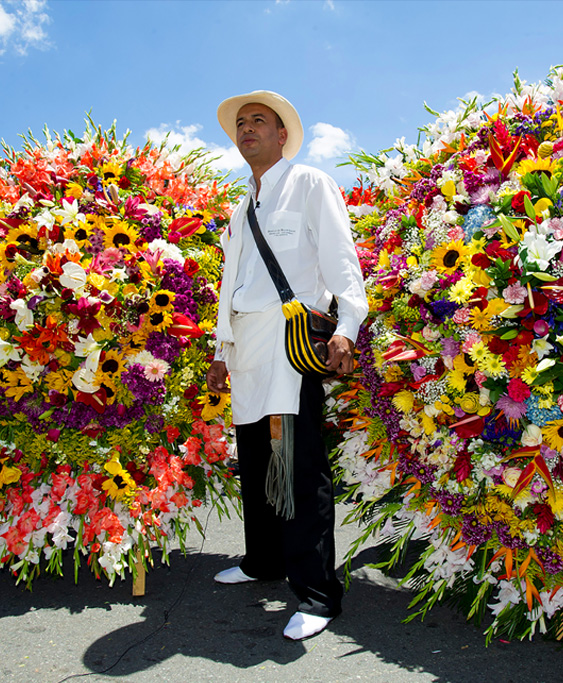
(279, 478)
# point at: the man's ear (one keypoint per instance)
(282, 132)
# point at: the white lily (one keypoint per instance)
(24, 317)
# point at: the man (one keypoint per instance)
(302, 215)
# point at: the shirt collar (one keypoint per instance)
(270, 179)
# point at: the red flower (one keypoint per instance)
(190, 267)
(462, 466)
(518, 201)
(518, 390)
(545, 517)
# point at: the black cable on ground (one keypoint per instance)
(165, 615)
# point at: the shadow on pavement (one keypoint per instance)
(185, 613)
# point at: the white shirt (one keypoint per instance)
(303, 217)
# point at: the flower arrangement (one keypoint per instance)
(457, 430)
(109, 273)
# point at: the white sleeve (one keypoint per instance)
(340, 269)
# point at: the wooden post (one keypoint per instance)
(139, 581)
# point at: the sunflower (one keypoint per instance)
(110, 366)
(120, 484)
(553, 434)
(79, 233)
(536, 166)
(111, 172)
(162, 300)
(121, 236)
(157, 321)
(25, 238)
(447, 258)
(213, 405)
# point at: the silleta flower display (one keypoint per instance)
(457, 434)
(109, 274)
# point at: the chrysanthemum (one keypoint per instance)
(461, 291)
(456, 380)
(403, 401)
(493, 365)
(480, 319)
(447, 258)
(213, 405)
(553, 434)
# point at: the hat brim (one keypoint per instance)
(229, 108)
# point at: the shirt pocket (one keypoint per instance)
(282, 229)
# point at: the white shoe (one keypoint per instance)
(303, 625)
(232, 575)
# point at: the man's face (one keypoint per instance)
(259, 139)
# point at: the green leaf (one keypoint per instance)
(509, 228)
(530, 211)
(511, 334)
(540, 275)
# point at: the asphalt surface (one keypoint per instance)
(187, 628)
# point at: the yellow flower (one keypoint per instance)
(497, 306)
(393, 373)
(162, 300)
(494, 365)
(111, 172)
(8, 474)
(536, 166)
(480, 320)
(478, 352)
(121, 483)
(542, 205)
(213, 405)
(74, 190)
(481, 278)
(553, 434)
(449, 190)
(461, 291)
(469, 402)
(447, 258)
(17, 384)
(428, 424)
(460, 363)
(456, 380)
(121, 236)
(403, 401)
(60, 381)
(529, 374)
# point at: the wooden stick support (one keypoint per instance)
(139, 580)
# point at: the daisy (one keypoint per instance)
(156, 370)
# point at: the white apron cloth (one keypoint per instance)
(262, 380)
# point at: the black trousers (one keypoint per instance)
(301, 549)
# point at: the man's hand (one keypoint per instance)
(216, 378)
(340, 354)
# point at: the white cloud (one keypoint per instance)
(22, 25)
(329, 142)
(228, 158)
(329, 4)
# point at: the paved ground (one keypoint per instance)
(187, 628)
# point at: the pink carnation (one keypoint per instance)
(518, 390)
(515, 294)
(471, 339)
(461, 316)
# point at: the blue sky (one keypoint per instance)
(357, 71)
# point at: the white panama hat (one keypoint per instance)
(229, 108)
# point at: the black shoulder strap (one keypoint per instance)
(274, 268)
